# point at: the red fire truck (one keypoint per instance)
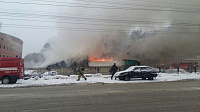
(11, 69)
(188, 66)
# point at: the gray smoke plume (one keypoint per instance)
(153, 37)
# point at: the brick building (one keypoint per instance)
(10, 46)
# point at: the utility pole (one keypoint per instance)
(128, 54)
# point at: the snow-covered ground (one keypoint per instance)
(94, 78)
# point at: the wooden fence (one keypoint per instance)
(69, 71)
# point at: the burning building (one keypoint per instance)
(103, 62)
(124, 64)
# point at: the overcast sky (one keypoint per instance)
(27, 20)
(12, 21)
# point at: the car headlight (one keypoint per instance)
(116, 74)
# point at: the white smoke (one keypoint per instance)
(161, 42)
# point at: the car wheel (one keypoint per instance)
(120, 78)
(13, 81)
(5, 80)
(143, 78)
(126, 78)
(150, 77)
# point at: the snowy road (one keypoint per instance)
(180, 96)
(95, 78)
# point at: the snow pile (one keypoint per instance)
(95, 78)
(176, 77)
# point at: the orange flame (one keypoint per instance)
(99, 60)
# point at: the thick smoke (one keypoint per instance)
(160, 41)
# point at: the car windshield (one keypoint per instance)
(130, 68)
(137, 67)
(146, 69)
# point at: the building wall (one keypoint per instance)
(10, 46)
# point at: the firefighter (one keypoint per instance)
(80, 72)
(113, 70)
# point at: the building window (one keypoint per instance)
(4, 46)
(0, 45)
(1, 38)
(0, 55)
(3, 55)
(16, 55)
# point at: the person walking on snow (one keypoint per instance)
(81, 73)
(113, 70)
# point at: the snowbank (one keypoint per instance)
(94, 78)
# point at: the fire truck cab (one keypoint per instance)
(11, 69)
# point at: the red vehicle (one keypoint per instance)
(188, 66)
(11, 69)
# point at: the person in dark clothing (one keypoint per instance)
(81, 73)
(113, 70)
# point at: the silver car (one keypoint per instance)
(31, 74)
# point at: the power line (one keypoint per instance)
(55, 13)
(7, 12)
(75, 18)
(94, 30)
(109, 7)
(113, 25)
(120, 3)
(61, 17)
(169, 3)
(128, 3)
(30, 11)
(172, 3)
(72, 17)
(89, 18)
